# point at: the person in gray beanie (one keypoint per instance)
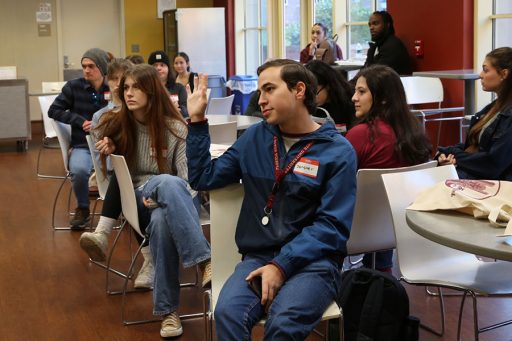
(99, 57)
(79, 100)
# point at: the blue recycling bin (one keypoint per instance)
(217, 84)
(242, 86)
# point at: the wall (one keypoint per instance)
(142, 26)
(446, 29)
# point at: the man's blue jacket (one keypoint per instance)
(312, 214)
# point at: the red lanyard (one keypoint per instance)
(279, 175)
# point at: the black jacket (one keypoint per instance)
(493, 161)
(391, 52)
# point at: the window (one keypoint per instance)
(292, 28)
(358, 34)
(502, 23)
(255, 35)
(323, 13)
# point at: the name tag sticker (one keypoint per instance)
(307, 167)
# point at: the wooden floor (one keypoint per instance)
(50, 291)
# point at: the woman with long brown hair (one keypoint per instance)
(150, 133)
(388, 134)
(486, 152)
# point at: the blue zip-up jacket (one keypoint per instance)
(76, 104)
(493, 161)
(312, 215)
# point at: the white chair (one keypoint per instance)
(101, 178)
(49, 133)
(225, 204)
(130, 213)
(52, 87)
(63, 132)
(223, 133)
(429, 90)
(220, 106)
(424, 262)
(372, 226)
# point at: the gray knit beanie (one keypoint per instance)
(99, 57)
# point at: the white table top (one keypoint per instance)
(464, 74)
(461, 232)
(243, 121)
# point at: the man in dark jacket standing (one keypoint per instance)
(299, 185)
(79, 100)
(385, 47)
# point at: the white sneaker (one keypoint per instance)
(171, 326)
(146, 275)
(95, 244)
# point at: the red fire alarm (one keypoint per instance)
(418, 48)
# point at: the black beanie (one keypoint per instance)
(99, 57)
(159, 56)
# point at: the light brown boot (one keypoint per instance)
(206, 269)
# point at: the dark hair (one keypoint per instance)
(387, 19)
(121, 126)
(135, 59)
(117, 65)
(390, 105)
(293, 72)
(324, 28)
(501, 59)
(338, 89)
(184, 56)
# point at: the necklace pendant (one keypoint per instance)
(265, 220)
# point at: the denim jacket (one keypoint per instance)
(493, 161)
(312, 213)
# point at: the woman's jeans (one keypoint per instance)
(174, 233)
(295, 311)
(80, 168)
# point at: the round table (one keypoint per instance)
(242, 121)
(462, 232)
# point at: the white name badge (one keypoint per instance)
(307, 167)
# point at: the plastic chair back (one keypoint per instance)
(225, 204)
(45, 102)
(223, 133)
(412, 249)
(220, 106)
(422, 90)
(52, 87)
(128, 200)
(372, 226)
(63, 132)
(101, 178)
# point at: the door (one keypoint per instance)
(84, 25)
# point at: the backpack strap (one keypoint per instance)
(370, 312)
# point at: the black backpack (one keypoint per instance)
(375, 307)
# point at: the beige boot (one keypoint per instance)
(95, 244)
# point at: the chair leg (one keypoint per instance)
(109, 260)
(208, 315)
(44, 145)
(55, 228)
(441, 306)
(459, 325)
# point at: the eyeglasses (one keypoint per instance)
(320, 89)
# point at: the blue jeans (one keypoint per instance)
(80, 167)
(295, 311)
(174, 233)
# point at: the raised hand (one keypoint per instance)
(197, 101)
